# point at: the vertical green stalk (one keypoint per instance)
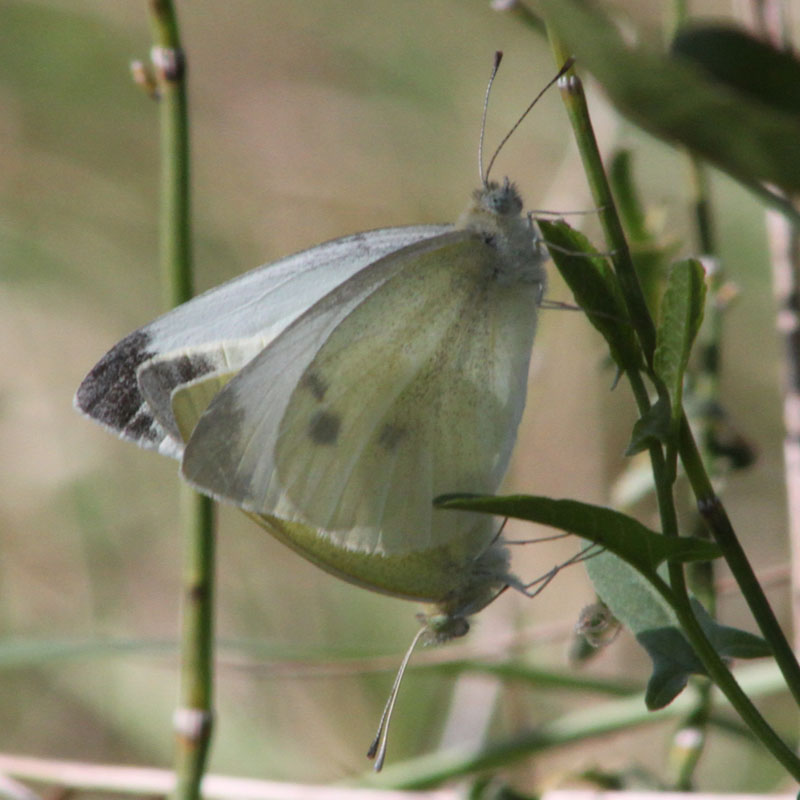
(717, 520)
(689, 740)
(575, 104)
(709, 505)
(193, 718)
(169, 62)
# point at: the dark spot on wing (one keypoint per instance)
(162, 377)
(391, 435)
(109, 393)
(158, 379)
(324, 427)
(187, 368)
(315, 384)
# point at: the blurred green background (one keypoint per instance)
(310, 120)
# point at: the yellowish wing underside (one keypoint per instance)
(407, 400)
(413, 391)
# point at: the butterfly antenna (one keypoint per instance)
(498, 57)
(567, 66)
(377, 749)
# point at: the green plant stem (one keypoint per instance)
(174, 206)
(194, 716)
(716, 518)
(575, 104)
(705, 389)
(666, 504)
(724, 680)
(193, 739)
(705, 392)
(709, 505)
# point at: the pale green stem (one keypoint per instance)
(194, 716)
(710, 506)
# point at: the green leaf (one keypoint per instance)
(672, 97)
(623, 577)
(681, 315)
(629, 205)
(751, 66)
(636, 603)
(651, 256)
(641, 547)
(654, 425)
(595, 289)
(730, 642)
(674, 661)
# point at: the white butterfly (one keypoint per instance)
(347, 387)
(334, 394)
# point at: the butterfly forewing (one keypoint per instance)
(255, 306)
(388, 396)
(238, 433)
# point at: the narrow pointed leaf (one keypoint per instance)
(730, 642)
(595, 289)
(681, 315)
(652, 253)
(635, 543)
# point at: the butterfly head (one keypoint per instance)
(496, 216)
(500, 199)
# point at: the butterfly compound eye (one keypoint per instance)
(502, 199)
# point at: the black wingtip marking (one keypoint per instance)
(189, 368)
(142, 428)
(109, 393)
(162, 376)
